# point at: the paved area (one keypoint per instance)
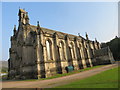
(56, 81)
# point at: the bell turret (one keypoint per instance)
(23, 17)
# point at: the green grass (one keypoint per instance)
(60, 75)
(73, 72)
(106, 79)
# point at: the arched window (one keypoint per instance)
(72, 50)
(79, 48)
(62, 52)
(49, 49)
(91, 45)
(86, 53)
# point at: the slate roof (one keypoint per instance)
(60, 34)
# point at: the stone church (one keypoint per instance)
(38, 52)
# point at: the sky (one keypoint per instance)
(98, 19)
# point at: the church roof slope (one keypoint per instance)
(49, 31)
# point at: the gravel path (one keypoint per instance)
(56, 81)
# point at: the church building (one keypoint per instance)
(38, 52)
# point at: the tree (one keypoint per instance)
(114, 45)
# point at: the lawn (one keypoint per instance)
(106, 79)
(73, 72)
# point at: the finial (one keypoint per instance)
(86, 35)
(95, 40)
(37, 22)
(14, 27)
(19, 7)
(78, 34)
(38, 28)
(38, 25)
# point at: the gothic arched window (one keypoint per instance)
(62, 53)
(79, 48)
(72, 50)
(49, 49)
(86, 53)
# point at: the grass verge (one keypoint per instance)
(73, 72)
(106, 79)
